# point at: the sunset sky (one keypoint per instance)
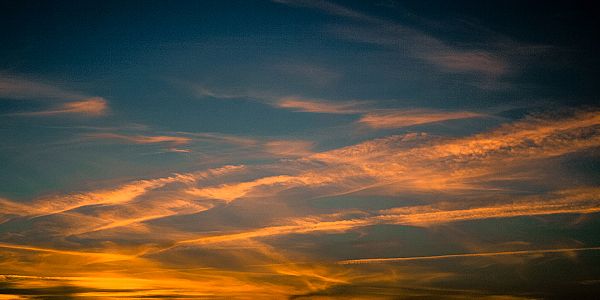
(296, 149)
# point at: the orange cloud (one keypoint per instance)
(418, 44)
(143, 139)
(469, 61)
(222, 138)
(95, 256)
(115, 196)
(17, 87)
(447, 256)
(93, 107)
(289, 148)
(577, 201)
(415, 162)
(230, 192)
(238, 263)
(401, 118)
(321, 106)
(267, 274)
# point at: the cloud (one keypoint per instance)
(294, 103)
(402, 118)
(203, 91)
(321, 106)
(111, 196)
(17, 87)
(142, 139)
(415, 43)
(119, 195)
(252, 146)
(177, 150)
(583, 200)
(412, 43)
(234, 215)
(221, 138)
(371, 116)
(448, 256)
(92, 107)
(330, 8)
(414, 162)
(70, 103)
(289, 148)
(577, 201)
(230, 192)
(93, 256)
(267, 274)
(469, 61)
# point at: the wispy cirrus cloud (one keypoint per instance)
(92, 107)
(464, 255)
(413, 162)
(331, 8)
(93, 256)
(118, 195)
(470, 61)
(295, 103)
(371, 115)
(65, 102)
(576, 201)
(18, 87)
(409, 163)
(418, 45)
(402, 118)
(204, 91)
(142, 139)
(321, 106)
(253, 146)
(408, 41)
(289, 148)
(221, 138)
(116, 207)
(233, 214)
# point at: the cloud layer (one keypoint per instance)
(117, 226)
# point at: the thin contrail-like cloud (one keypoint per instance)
(446, 256)
(102, 256)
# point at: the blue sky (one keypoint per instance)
(260, 146)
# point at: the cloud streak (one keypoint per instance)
(92, 107)
(142, 139)
(415, 43)
(403, 118)
(70, 103)
(371, 116)
(17, 87)
(95, 256)
(580, 201)
(416, 163)
(116, 196)
(321, 106)
(234, 214)
(464, 255)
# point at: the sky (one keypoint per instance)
(296, 149)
